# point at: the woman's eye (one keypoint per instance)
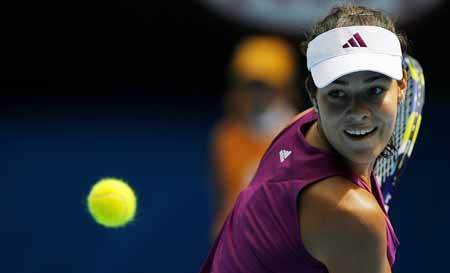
(376, 91)
(336, 94)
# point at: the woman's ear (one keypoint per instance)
(313, 101)
(402, 87)
(311, 88)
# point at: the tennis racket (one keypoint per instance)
(409, 116)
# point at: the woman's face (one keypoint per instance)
(358, 112)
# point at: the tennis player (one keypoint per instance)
(314, 205)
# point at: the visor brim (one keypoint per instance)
(332, 69)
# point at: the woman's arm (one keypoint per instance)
(343, 227)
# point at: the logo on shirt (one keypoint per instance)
(355, 41)
(284, 154)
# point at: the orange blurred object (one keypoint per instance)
(265, 58)
(259, 104)
(236, 153)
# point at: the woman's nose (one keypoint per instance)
(358, 110)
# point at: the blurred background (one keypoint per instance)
(142, 90)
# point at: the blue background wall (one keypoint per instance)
(51, 157)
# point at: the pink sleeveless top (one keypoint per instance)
(262, 233)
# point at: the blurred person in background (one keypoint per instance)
(261, 99)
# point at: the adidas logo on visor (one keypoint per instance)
(355, 41)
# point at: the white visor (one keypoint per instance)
(346, 50)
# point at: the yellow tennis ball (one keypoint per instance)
(112, 203)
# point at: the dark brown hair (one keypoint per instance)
(350, 15)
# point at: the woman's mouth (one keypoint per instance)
(360, 133)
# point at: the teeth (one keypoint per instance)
(359, 132)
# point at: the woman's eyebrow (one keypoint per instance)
(368, 80)
(341, 82)
(374, 78)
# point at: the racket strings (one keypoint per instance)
(385, 167)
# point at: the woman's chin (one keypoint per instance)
(361, 156)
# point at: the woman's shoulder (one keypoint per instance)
(338, 192)
(300, 115)
(340, 209)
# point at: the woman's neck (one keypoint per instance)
(316, 138)
(363, 171)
